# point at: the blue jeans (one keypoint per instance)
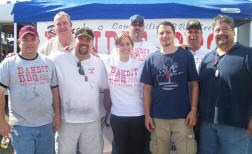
(223, 139)
(33, 140)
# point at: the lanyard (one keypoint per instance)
(218, 62)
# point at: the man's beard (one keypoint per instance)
(137, 34)
(226, 41)
(83, 52)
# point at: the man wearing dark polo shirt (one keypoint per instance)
(225, 93)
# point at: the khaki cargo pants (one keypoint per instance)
(161, 137)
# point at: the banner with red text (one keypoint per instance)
(105, 31)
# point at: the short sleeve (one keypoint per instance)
(42, 49)
(103, 76)
(54, 79)
(4, 73)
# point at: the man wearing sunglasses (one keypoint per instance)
(142, 48)
(81, 75)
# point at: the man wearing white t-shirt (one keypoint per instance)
(81, 75)
(64, 36)
(194, 37)
(142, 48)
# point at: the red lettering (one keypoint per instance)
(28, 77)
(118, 73)
(34, 77)
(117, 78)
(45, 68)
(20, 70)
(21, 78)
(108, 35)
(122, 72)
(179, 37)
(97, 34)
(112, 69)
(27, 70)
(145, 36)
(123, 79)
(209, 40)
(111, 76)
(38, 69)
(135, 70)
(33, 69)
(128, 73)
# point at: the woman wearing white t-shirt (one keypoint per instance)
(127, 111)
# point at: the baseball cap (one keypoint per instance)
(136, 17)
(27, 29)
(193, 23)
(84, 31)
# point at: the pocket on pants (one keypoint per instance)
(191, 145)
(153, 143)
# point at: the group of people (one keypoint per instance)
(152, 94)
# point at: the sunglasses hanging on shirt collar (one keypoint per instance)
(81, 70)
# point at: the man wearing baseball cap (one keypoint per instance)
(194, 37)
(34, 106)
(80, 76)
(142, 47)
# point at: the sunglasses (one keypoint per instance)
(81, 70)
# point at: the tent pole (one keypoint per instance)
(250, 36)
(15, 37)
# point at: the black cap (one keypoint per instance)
(193, 23)
(84, 31)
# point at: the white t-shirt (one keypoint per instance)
(199, 55)
(123, 79)
(142, 50)
(79, 93)
(53, 45)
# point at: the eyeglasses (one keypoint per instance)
(139, 25)
(224, 30)
(81, 70)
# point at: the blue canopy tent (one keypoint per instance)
(44, 10)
